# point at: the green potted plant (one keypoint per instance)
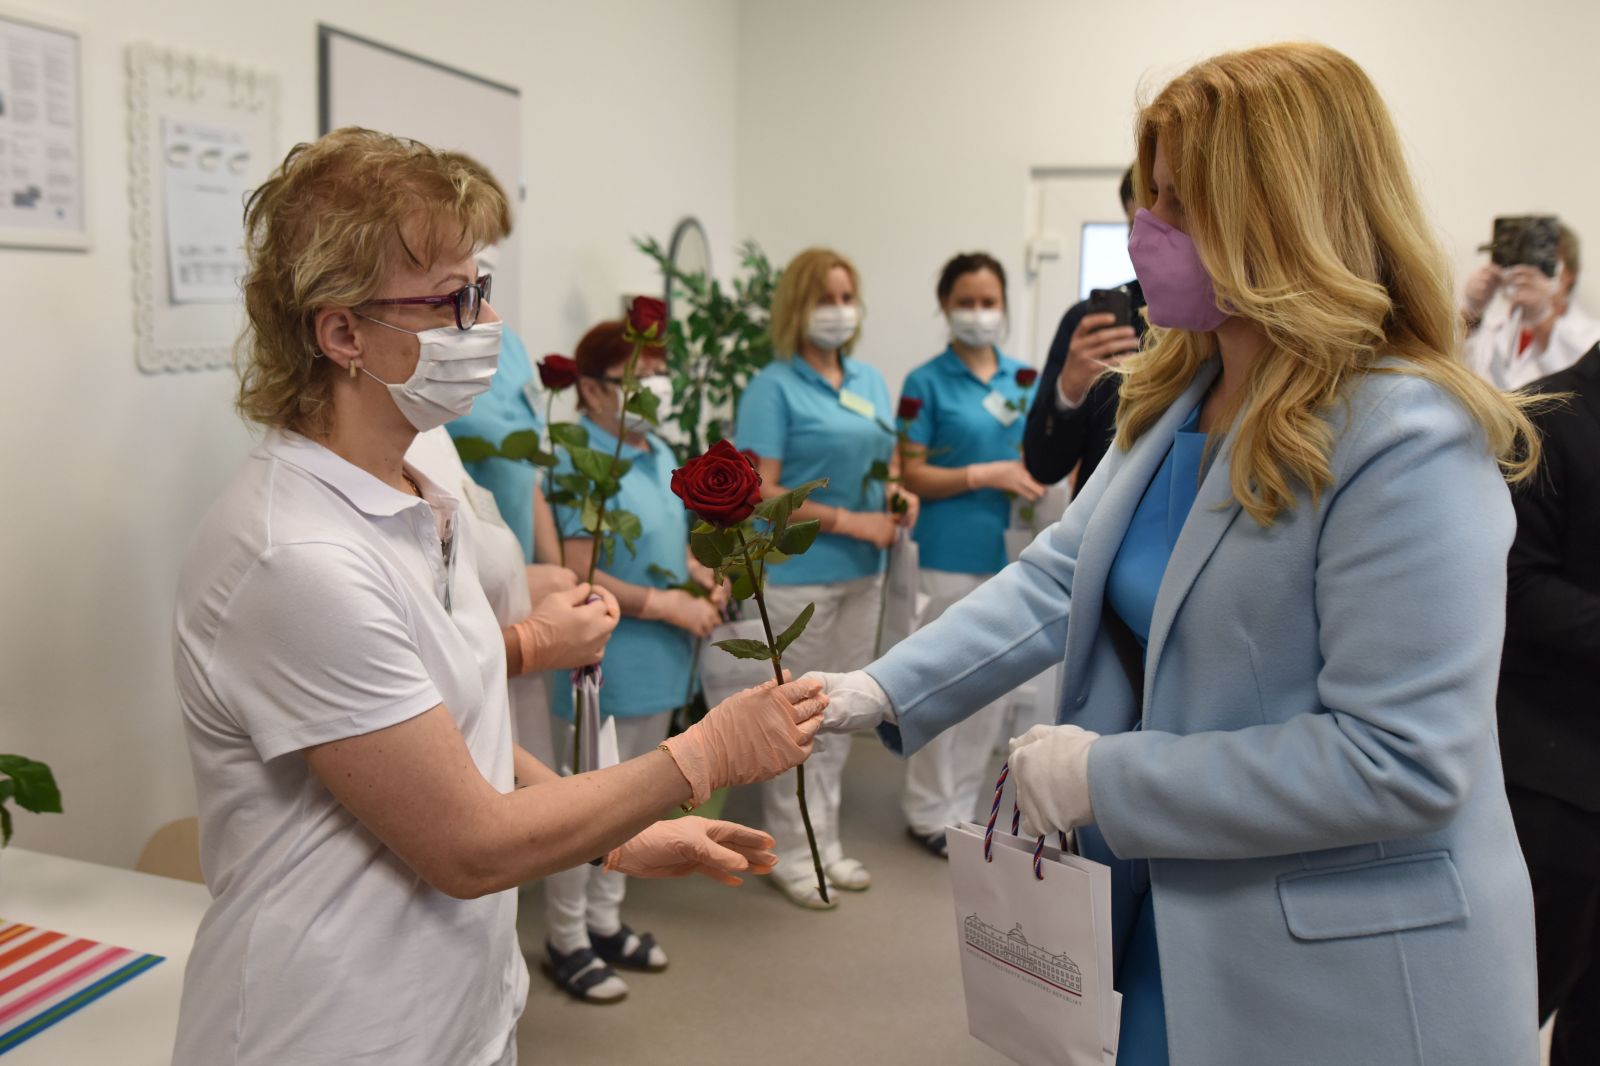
(716, 342)
(31, 785)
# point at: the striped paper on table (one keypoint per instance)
(46, 976)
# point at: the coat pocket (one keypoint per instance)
(1364, 899)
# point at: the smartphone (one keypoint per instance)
(1115, 302)
(1526, 240)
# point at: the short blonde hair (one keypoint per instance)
(801, 285)
(1296, 193)
(324, 231)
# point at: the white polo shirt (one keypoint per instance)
(316, 604)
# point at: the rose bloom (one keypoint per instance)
(720, 486)
(647, 318)
(557, 372)
(1027, 376)
(910, 408)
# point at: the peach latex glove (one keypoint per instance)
(749, 738)
(684, 846)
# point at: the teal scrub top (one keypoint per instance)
(966, 533)
(647, 664)
(1141, 561)
(514, 401)
(791, 413)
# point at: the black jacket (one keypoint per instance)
(1550, 674)
(1055, 441)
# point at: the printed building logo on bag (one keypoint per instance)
(1012, 949)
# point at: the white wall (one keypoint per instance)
(106, 471)
(902, 131)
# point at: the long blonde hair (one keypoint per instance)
(1298, 198)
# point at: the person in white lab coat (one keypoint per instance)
(1535, 328)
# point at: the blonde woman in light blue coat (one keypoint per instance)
(1279, 604)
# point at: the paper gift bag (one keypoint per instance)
(900, 593)
(723, 675)
(1033, 931)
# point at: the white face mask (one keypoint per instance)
(659, 384)
(832, 325)
(454, 368)
(977, 327)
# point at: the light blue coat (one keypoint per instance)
(1317, 785)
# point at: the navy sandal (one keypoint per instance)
(584, 976)
(615, 949)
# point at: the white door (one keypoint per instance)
(1077, 240)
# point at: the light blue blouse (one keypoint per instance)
(1141, 562)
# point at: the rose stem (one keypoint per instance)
(777, 672)
(549, 421)
(600, 525)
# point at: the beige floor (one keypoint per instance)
(756, 979)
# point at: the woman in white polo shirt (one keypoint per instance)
(364, 814)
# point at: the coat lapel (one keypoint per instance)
(1129, 475)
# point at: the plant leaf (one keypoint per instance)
(661, 573)
(520, 445)
(569, 435)
(746, 649)
(626, 525)
(5, 825)
(798, 496)
(35, 789)
(798, 626)
(645, 404)
(743, 587)
(879, 471)
(474, 449)
(798, 537)
(704, 548)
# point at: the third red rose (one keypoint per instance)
(720, 486)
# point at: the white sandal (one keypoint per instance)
(802, 892)
(848, 874)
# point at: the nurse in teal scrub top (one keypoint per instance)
(963, 456)
(648, 662)
(819, 412)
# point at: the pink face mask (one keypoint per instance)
(1177, 289)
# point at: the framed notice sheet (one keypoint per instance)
(202, 133)
(43, 203)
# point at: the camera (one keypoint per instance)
(1526, 240)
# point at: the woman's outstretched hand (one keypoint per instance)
(684, 846)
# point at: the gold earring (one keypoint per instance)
(354, 366)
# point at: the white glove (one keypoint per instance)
(1050, 764)
(855, 702)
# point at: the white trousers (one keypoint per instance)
(585, 896)
(839, 639)
(946, 779)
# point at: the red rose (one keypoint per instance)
(1027, 376)
(647, 320)
(720, 486)
(557, 372)
(910, 408)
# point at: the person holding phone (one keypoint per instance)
(1073, 416)
(962, 456)
(1534, 328)
(1278, 607)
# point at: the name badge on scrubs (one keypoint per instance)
(998, 406)
(859, 404)
(481, 500)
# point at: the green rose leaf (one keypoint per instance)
(703, 546)
(645, 404)
(569, 435)
(474, 449)
(746, 649)
(798, 537)
(798, 626)
(520, 445)
(626, 525)
(5, 825)
(743, 587)
(878, 472)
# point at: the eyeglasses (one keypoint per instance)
(468, 301)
